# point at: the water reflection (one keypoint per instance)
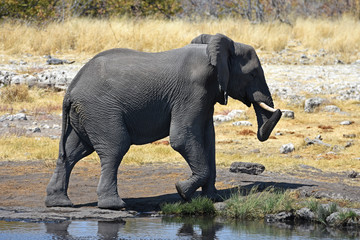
(170, 228)
(196, 227)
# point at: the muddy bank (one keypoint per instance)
(144, 188)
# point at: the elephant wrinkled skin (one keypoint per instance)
(123, 97)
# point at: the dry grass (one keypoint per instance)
(84, 37)
(36, 101)
(88, 36)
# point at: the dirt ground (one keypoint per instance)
(145, 187)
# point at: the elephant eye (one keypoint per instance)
(253, 74)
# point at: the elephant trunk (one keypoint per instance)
(267, 116)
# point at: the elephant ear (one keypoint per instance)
(220, 48)
(202, 39)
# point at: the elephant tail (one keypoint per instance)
(65, 126)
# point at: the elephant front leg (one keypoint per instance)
(191, 147)
(209, 190)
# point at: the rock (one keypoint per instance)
(288, 114)
(331, 108)
(349, 144)
(317, 140)
(346, 122)
(312, 103)
(56, 61)
(236, 114)
(56, 126)
(16, 117)
(220, 206)
(20, 116)
(353, 174)
(221, 118)
(287, 148)
(280, 217)
(230, 116)
(242, 123)
(338, 61)
(333, 218)
(59, 214)
(305, 214)
(351, 135)
(256, 150)
(246, 167)
(34, 130)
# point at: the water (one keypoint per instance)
(168, 228)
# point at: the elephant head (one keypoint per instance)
(241, 77)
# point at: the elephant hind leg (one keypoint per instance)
(111, 151)
(75, 149)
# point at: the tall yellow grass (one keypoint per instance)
(89, 36)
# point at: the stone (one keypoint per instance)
(236, 114)
(317, 140)
(288, 114)
(346, 122)
(349, 144)
(353, 174)
(287, 148)
(230, 116)
(351, 135)
(221, 118)
(20, 116)
(333, 218)
(280, 217)
(242, 123)
(256, 150)
(305, 214)
(16, 117)
(34, 130)
(312, 103)
(331, 108)
(246, 167)
(220, 206)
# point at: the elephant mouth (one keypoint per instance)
(267, 117)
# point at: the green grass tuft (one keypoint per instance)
(197, 206)
(257, 204)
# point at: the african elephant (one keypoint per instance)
(123, 97)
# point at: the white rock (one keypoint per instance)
(347, 122)
(236, 114)
(242, 123)
(287, 148)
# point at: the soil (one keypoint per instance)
(145, 187)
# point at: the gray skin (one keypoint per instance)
(123, 97)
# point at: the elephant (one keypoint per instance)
(123, 97)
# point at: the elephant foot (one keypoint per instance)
(58, 200)
(185, 189)
(113, 203)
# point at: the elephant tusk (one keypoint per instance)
(266, 107)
